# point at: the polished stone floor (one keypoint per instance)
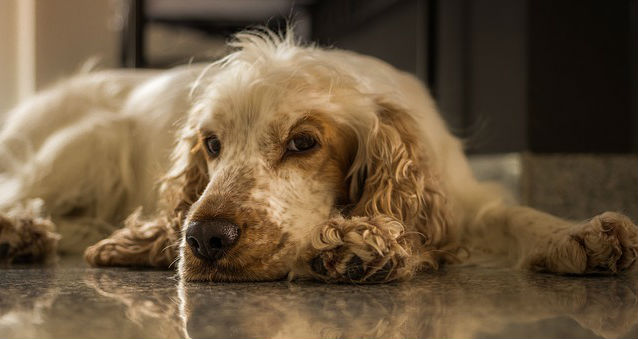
(70, 300)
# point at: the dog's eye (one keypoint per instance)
(301, 143)
(213, 145)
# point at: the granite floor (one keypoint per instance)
(71, 300)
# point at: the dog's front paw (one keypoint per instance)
(607, 243)
(26, 239)
(359, 250)
(610, 241)
(140, 243)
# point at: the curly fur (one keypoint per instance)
(399, 182)
(140, 242)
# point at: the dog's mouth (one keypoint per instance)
(216, 249)
(206, 270)
(217, 259)
(232, 274)
(232, 267)
(223, 261)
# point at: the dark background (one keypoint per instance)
(544, 76)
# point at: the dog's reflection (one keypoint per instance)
(152, 307)
(447, 304)
(306, 311)
(24, 307)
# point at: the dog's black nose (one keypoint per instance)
(208, 239)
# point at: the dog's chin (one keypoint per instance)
(193, 269)
(227, 274)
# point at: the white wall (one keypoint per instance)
(68, 33)
(8, 55)
(42, 41)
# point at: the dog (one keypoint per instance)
(281, 160)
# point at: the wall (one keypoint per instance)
(8, 55)
(42, 41)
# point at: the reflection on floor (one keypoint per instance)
(72, 301)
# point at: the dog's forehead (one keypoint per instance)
(258, 110)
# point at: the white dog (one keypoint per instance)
(287, 161)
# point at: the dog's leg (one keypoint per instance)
(151, 243)
(360, 250)
(542, 242)
(26, 235)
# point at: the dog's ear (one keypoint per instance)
(391, 175)
(154, 241)
(188, 177)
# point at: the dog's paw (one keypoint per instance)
(140, 243)
(106, 252)
(608, 243)
(359, 250)
(28, 239)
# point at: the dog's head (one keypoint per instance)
(281, 138)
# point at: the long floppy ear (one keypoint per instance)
(392, 175)
(188, 177)
(154, 241)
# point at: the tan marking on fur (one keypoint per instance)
(338, 146)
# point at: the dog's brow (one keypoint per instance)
(308, 118)
(281, 130)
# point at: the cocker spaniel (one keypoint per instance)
(287, 161)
